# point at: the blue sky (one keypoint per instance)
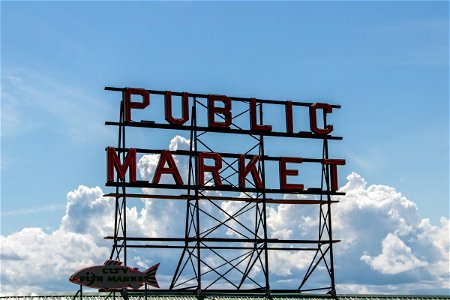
(385, 63)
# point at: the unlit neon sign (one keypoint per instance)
(219, 116)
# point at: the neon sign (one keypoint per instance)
(219, 119)
(215, 124)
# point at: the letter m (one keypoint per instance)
(114, 163)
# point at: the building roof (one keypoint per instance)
(150, 296)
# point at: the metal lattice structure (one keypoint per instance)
(238, 240)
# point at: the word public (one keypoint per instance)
(211, 162)
(220, 105)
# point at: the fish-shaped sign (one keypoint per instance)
(114, 276)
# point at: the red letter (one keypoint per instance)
(313, 118)
(166, 156)
(129, 104)
(334, 177)
(184, 109)
(245, 169)
(253, 122)
(225, 111)
(213, 169)
(289, 172)
(114, 163)
(289, 124)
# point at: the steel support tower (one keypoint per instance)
(223, 249)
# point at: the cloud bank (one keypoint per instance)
(386, 246)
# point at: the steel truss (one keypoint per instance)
(222, 249)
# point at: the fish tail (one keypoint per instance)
(150, 273)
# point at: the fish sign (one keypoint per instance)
(114, 276)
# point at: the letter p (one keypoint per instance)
(137, 105)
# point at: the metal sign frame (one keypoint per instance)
(250, 250)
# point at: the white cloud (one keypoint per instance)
(384, 240)
(38, 261)
(287, 221)
(35, 261)
(395, 257)
(386, 246)
(367, 214)
(88, 212)
(179, 143)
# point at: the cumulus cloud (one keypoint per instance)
(386, 246)
(88, 212)
(395, 257)
(33, 260)
(37, 261)
(384, 240)
(161, 213)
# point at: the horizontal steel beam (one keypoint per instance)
(223, 188)
(151, 124)
(222, 154)
(219, 247)
(221, 240)
(218, 198)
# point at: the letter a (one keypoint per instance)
(166, 156)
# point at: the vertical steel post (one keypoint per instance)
(264, 203)
(123, 207)
(330, 229)
(197, 208)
